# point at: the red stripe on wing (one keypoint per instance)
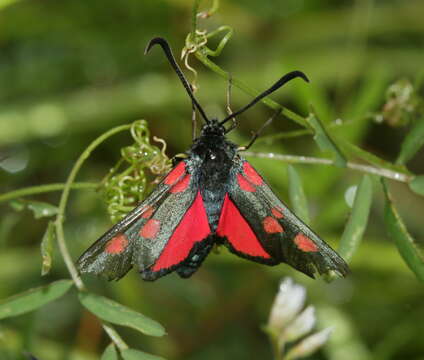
(235, 228)
(194, 227)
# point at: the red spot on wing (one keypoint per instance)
(175, 174)
(181, 185)
(194, 227)
(277, 212)
(272, 226)
(150, 229)
(304, 243)
(148, 212)
(244, 184)
(235, 228)
(117, 244)
(251, 174)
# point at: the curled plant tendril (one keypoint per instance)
(127, 184)
(196, 40)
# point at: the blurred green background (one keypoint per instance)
(70, 70)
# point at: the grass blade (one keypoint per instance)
(412, 143)
(358, 219)
(411, 252)
(417, 185)
(324, 140)
(297, 195)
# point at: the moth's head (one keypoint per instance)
(214, 128)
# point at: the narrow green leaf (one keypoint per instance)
(411, 252)
(297, 195)
(39, 208)
(116, 313)
(324, 140)
(417, 185)
(354, 150)
(110, 353)
(33, 298)
(358, 219)
(412, 143)
(47, 248)
(132, 354)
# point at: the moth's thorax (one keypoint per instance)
(212, 154)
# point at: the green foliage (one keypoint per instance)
(411, 251)
(69, 79)
(33, 299)
(358, 219)
(297, 195)
(118, 314)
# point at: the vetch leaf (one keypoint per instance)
(411, 252)
(40, 209)
(355, 227)
(132, 354)
(417, 185)
(297, 195)
(47, 248)
(110, 353)
(412, 143)
(324, 140)
(116, 313)
(33, 298)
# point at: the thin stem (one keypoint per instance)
(39, 189)
(292, 159)
(195, 10)
(114, 336)
(64, 200)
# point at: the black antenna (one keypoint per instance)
(168, 52)
(286, 78)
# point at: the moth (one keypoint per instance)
(212, 196)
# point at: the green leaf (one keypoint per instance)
(116, 313)
(40, 209)
(358, 219)
(417, 185)
(110, 353)
(131, 354)
(33, 298)
(411, 252)
(354, 150)
(324, 140)
(412, 143)
(297, 195)
(47, 248)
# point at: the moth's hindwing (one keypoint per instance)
(274, 233)
(166, 232)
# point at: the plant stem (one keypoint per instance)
(39, 189)
(292, 159)
(64, 199)
(195, 10)
(114, 336)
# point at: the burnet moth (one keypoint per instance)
(212, 196)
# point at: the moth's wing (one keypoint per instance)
(267, 231)
(168, 231)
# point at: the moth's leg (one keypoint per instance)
(177, 158)
(229, 111)
(193, 122)
(256, 134)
